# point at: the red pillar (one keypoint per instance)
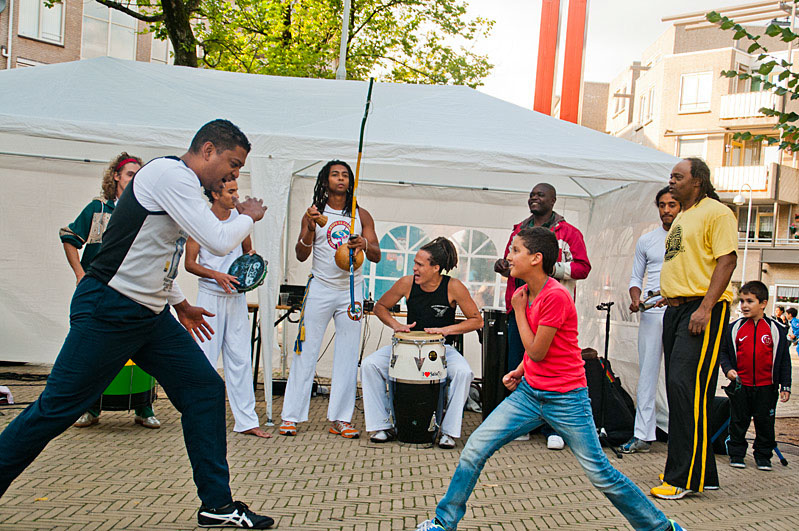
(573, 61)
(547, 55)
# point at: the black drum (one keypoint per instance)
(417, 374)
(495, 358)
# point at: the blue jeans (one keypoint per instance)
(570, 414)
(106, 329)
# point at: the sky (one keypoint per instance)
(618, 31)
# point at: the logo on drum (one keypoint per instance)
(433, 355)
(436, 374)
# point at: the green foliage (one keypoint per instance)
(773, 74)
(412, 41)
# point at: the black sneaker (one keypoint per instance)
(237, 514)
(737, 462)
(763, 464)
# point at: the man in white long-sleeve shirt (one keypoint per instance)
(120, 311)
(649, 252)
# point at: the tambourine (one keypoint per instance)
(249, 270)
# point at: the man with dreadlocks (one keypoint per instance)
(431, 298)
(695, 282)
(325, 226)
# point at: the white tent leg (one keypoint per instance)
(271, 180)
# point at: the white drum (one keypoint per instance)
(417, 357)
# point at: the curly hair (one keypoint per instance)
(322, 182)
(109, 186)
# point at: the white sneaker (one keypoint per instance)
(555, 442)
(446, 442)
(379, 436)
(525, 437)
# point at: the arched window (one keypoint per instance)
(476, 257)
(399, 246)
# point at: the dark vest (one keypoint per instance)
(431, 310)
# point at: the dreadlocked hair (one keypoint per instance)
(320, 191)
(442, 253)
(109, 185)
(700, 170)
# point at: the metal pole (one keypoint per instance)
(746, 240)
(341, 72)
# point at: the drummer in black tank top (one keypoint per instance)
(431, 299)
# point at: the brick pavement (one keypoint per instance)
(116, 475)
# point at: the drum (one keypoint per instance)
(249, 270)
(131, 388)
(495, 358)
(417, 380)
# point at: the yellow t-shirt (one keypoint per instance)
(698, 237)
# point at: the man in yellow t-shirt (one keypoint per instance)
(695, 281)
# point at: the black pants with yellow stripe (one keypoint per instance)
(691, 375)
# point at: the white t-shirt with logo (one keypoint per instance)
(326, 240)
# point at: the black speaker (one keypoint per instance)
(495, 357)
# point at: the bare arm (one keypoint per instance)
(635, 298)
(460, 295)
(227, 282)
(74, 261)
(304, 245)
(246, 245)
(371, 244)
(719, 281)
(401, 288)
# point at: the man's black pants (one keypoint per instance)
(691, 375)
(747, 403)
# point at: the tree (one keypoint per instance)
(414, 41)
(773, 74)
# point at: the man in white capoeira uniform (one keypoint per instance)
(431, 299)
(328, 296)
(218, 295)
(649, 253)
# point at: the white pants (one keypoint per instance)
(376, 406)
(651, 384)
(232, 337)
(322, 304)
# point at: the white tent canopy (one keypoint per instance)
(447, 137)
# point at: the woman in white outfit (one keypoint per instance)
(431, 298)
(325, 226)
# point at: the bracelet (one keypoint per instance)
(365, 246)
(304, 244)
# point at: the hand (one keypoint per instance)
(732, 374)
(502, 267)
(193, 319)
(399, 327)
(635, 306)
(252, 207)
(661, 303)
(784, 396)
(442, 331)
(251, 252)
(513, 379)
(226, 281)
(519, 299)
(79, 276)
(698, 322)
(791, 337)
(357, 243)
(310, 217)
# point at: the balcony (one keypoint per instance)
(746, 105)
(729, 180)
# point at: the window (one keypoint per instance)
(621, 100)
(695, 92)
(161, 51)
(691, 147)
(761, 222)
(399, 246)
(744, 153)
(476, 257)
(41, 22)
(108, 32)
(647, 106)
